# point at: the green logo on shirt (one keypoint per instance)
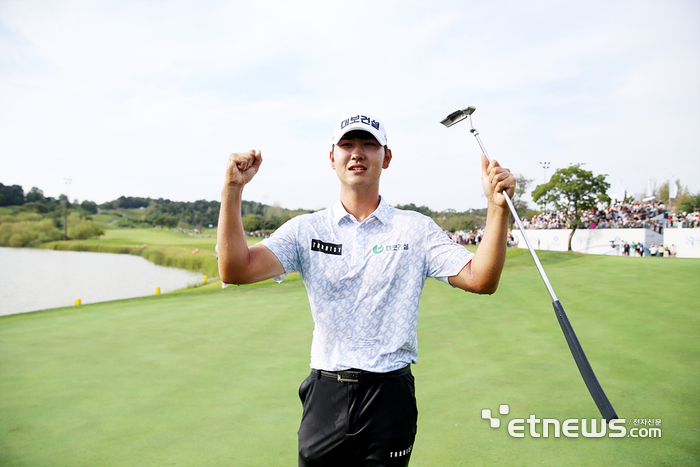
(376, 249)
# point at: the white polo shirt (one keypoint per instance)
(364, 281)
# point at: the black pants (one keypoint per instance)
(369, 422)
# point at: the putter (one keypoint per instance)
(601, 400)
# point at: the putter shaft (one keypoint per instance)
(601, 400)
(517, 219)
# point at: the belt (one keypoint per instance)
(357, 376)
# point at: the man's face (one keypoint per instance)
(358, 159)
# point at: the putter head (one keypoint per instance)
(457, 116)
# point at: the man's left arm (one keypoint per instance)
(482, 274)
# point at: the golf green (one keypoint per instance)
(210, 376)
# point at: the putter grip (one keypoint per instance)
(601, 400)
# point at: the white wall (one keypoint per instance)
(687, 241)
(598, 241)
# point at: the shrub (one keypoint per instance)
(84, 230)
(27, 233)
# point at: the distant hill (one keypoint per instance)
(130, 211)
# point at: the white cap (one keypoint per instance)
(362, 122)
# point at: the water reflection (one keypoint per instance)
(33, 280)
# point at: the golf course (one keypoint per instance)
(208, 376)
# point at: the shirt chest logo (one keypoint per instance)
(377, 249)
(327, 248)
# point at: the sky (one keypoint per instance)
(102, 99)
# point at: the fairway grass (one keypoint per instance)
(161, 237)
(209, 377)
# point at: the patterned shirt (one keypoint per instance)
(364, 281)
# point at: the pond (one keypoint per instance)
(32, 279)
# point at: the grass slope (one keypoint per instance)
(160, 237)
(160, 246)
(209, 376)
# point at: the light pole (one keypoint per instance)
(65, 209)
(264, 215)
(545, 166)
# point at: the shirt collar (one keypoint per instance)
(382, 213)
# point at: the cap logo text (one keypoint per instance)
(360, 119)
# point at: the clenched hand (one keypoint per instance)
(242, 167)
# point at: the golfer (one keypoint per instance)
(364, 264)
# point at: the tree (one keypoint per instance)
(251, 223)
(425, 210)
(89, 207)
(457, 222)
(168, 221)
(520, 205)
(11, 195)
(663, 194)
(573, 190)
(35, 195)
(692, 204)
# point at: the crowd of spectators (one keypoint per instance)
(466, 237)
(687, 221)
(638, 249)
(618, 216)
(258, 233)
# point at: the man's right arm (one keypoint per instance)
(238, 263)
